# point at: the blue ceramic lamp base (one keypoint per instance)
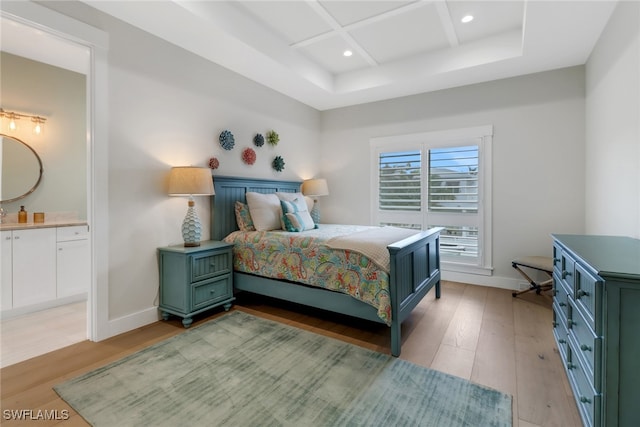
(191, 227)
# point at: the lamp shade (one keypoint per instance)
(190, 181)
(315, 187)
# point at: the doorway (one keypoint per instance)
(85, 50)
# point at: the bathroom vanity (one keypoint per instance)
(43, 265)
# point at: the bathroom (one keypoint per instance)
(46, 260)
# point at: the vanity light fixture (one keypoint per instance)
(12, 116)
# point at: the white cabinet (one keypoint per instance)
(33, 266)
(6, 256)
(73, 261)
(43, 267)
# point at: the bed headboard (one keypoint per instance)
(229, 189)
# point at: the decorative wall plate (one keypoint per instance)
(226, 140)
(249, 156)
(258, 140)
(273, 137)
(278, 163)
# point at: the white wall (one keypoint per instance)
(538, 163)
(167, 108)
(613, 127)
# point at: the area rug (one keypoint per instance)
(241, 370)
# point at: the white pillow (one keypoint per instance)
(265, 211)
(292, 196)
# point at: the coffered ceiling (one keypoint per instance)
(398, 47)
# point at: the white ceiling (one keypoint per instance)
(399, 47)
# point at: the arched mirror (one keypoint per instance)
(21, 169)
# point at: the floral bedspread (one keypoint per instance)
(304, 258)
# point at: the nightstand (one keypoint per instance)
(195, 279)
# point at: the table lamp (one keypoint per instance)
(314, 188)
(191, 181)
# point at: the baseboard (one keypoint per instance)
(132, 321)
(474, 279)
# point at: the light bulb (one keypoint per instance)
(12, 124)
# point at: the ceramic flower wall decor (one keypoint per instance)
(258, 140)
(273, 137)
(249, 156)
(226, 140)
(278, 163)
(214, 163)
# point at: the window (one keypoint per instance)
(438, 179)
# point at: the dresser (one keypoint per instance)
(596, 324)
(195, 279)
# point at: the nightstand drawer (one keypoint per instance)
(210, 264)
(205, 294)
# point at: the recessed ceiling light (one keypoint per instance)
(467, 18)
(347, 53)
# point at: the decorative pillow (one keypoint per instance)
(295, 216)
(265, 211)
(243, 217)
(292, 196)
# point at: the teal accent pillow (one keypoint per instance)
(295, 216)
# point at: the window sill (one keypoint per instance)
(465, 268)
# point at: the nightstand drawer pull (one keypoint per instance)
(585, 399)
(565, 273)
(585, 347)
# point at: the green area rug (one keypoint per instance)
(241, 370)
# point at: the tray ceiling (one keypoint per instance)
(398, 47)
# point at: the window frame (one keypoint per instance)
(424, 141)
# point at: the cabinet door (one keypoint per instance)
(34, 266)
(6, 301)
(74, 268)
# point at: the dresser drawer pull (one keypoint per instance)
(563, 304)
(565, 273)
(212, 291)
(555, 324)
(570, 322)
(585, 347)
(555, 292)
(556, 260)
(585, 399)
(571, 366)
(561, 341)
(582, 293)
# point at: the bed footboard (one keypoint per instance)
(415, 269)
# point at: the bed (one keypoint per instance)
(414, 263)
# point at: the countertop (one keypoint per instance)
(46, 224)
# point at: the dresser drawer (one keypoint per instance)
(211, 292)
(561, 296)
(567, 272)
(587, 399)
(587, 345)
(557, 260)
(587, 296)
(560, 333)
(210, 264)
(75, 232)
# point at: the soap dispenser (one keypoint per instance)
(22, 215)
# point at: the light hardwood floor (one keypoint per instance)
(478, 333)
